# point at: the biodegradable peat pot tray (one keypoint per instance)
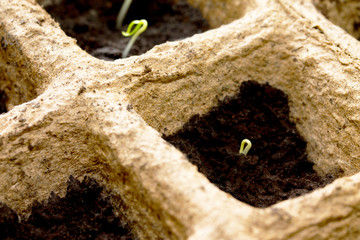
(77, 127)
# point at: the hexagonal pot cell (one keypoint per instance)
(105, 120)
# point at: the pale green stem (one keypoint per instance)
(129, 46)
(247, 148)
(122, 13)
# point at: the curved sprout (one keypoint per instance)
(140, 27)
(247, 148)
(122, 13)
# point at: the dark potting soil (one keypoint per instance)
(276, 167)
(92, 23)
(84, 213)
(3, 99)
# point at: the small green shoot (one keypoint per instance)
(140, 27)
(122, 13)
(247, 148)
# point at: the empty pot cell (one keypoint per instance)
(92, 23)
(84, 212)
(276, 167)
(345, 14)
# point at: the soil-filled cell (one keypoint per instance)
(92, 23)
(276, 167)
(84, 213)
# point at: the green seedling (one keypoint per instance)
(140, 27)
(247, 148)
(122, 13)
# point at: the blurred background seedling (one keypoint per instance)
(122, 13)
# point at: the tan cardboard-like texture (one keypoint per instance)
(71, 114)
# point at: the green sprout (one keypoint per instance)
(140, 27)
(122, 13)
(247, 148)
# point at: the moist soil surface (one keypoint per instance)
(84, 213)
(276, 167)
(92, 23)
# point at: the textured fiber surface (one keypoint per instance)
(72, 114)
(345, 14)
